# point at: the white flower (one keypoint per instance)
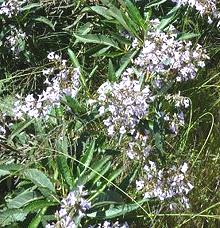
(101, 110)
(50, 56)
(184, 167)
(139, 185)
(122, 130)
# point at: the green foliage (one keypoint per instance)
(43, 159)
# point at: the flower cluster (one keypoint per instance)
(138, 150)
(163, 54)
(107, 224)
(73, 208)
(177, 118)
(65, 82)
(207, 7)
(11, 7)
(126, 102)
(14, 40)
(165, 184)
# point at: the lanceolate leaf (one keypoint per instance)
(39, 179)
(97, 39)
(10, 216)
(46, 21)
(4, 172)
(114, 212)
(22, 199)
(168, 18)
(103, 11)
(135, 14)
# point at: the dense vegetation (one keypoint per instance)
(109, 113)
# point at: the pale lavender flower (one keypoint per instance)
(165, 184)
(11, 7)
(125, 103)
(73, 208)
(59, 86)
(207, 7)
(163, 54)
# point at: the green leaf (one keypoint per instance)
(4, 172)
(22, 199)
(135, 14)
(110, 178)
(39, 179)
(84, 29)
(38, 204)
(125, 61)
(97, 167)
(101, 52)
(102, 172)
(37, 219)
(187, 36)
(155, 3)
(114, 212)
(31, 6)
(64, 170)
(10, 216)
(73, 58)
(103, 11)
(12, 167)
(75, 105)
(170, 17)
(97, 39)
(45, 21)
(111, 72)
(88, 155)
(75, 62)
(19, 128)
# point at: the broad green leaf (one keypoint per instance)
(4, 172)
(22, 199)
(75, 105)
(159, 142)
(10, 216)
(97, 39)
(118, 15)
(84, 29)
(11, 167)
(73, 58)
(39, 179)
(103, 11)
(102, 172)
(45, 21)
